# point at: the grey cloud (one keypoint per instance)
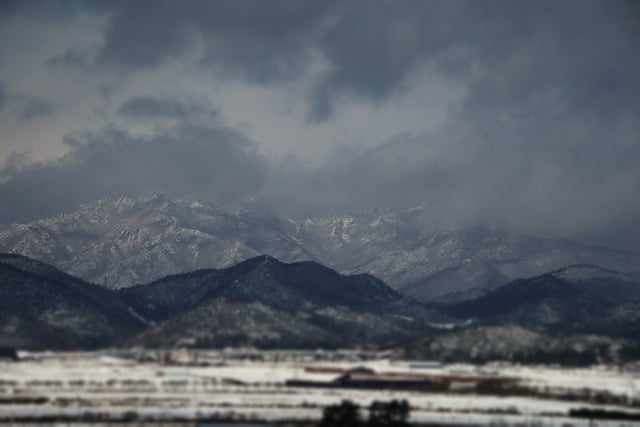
(25, 107)
(210, 163)
(550, 178)
(3, 96)
(584, 50)
(515, 54)
(33, 108)
(375, 45)
(14, 164)
(263, 41)
(624, 235)
(150, 107)
(371, 45)
(580, 57)
(270, 42)
(59, 9)
(545, 141)
(72, 58)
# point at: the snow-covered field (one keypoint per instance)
(252, 386)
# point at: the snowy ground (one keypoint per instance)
(193, 386)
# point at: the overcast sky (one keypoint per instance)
(521, 115)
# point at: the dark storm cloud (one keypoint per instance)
(568, 184)
(575, 56)
(546, 139)
(261, 41)
(59, 9)
(211, 163)
(33, 108)
(373, 46)
(512, 55)
(150, 107)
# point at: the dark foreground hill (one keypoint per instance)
(576, 315)
(575, 299)
(260, 302)
(42, 308)
(267, 303)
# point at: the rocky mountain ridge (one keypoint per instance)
(121, 242)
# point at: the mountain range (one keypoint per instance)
(578, 314)
(154, 272)
(259, 302)
(267, 303)
(121, 242)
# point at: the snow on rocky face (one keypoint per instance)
(121, 242)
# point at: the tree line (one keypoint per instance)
(381, 414)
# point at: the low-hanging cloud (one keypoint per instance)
(553, 178)
(211, 163)
(545, 139)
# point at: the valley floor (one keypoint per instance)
(280, 386)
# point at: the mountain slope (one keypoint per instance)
(265, 279)
(219, 322)
(260, 302)
(265, 303)
(41, 307)
(458, 283)
(623, 320)
(268, 303)
(612, 286)
(123, 242)
(544, 302)
(583, 298)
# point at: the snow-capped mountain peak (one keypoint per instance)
(123, 241)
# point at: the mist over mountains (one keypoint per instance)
(521, 116)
